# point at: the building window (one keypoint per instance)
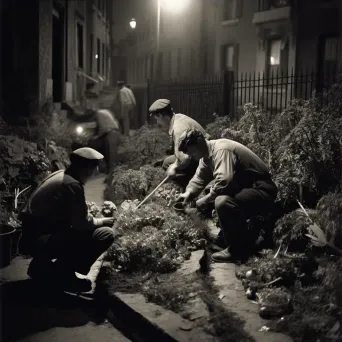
(98, 55)
(103, 58)
(91, 49)
(169, 67)
(79, 35)
(160, 65)
(330, 60)
(230, 9)
(277, 57)
(179, 61)
(146, 68)
(229, 57)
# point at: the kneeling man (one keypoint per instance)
(242, 187)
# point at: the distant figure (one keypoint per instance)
(107, 137)
(56, 225)
(127, 103)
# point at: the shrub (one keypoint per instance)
(46, 125)
(148, 144)
(216, 128)
(127, 183)
(154, 238)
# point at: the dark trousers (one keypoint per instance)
(75, 252)
(233, 213)
(108, 145)
(186, 174)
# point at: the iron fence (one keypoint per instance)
(275, 91)
(225, 94)
(199, 99)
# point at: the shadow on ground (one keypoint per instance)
(27, 309)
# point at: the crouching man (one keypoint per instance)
(242, 187)
(56, 225)
(179, 166)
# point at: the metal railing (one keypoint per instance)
(225, 94)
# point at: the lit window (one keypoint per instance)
(229, 57)
(275, 51)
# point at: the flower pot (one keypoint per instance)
(6, 235)
(179, 207)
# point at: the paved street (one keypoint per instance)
(41, 316)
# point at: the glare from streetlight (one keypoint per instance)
(174, 5)
(133, 23)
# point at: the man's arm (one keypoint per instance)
(224, 174)
(201, 178)
(76, 209)
(132, 97)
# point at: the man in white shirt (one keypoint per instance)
(127, 103)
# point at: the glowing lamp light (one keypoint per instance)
(96, 56)
(133, 23)
(79, 130)
(174, 5)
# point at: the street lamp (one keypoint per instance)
(133, 23)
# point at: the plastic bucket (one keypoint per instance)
(6, 236)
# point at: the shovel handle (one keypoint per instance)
(158, 186)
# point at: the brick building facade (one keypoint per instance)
(54, 48)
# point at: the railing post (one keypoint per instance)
(228, 85)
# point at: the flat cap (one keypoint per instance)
(159, 106)
(88, 153)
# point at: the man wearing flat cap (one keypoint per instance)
(56, 225)
(179, 166)
(126, 102)
(242, 188)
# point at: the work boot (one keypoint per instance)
(40, 269)
(222, 256)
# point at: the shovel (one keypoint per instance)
(158, 186)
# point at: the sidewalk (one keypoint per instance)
(32, 316)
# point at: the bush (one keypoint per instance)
(148, 144)
(125, 183)
(154, 238)
(46, 125)
(216, 128)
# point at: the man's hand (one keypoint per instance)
(108, 221)
(172, 171)
(184, 198)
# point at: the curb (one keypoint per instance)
(138, 328)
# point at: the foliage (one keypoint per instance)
(291, 229)
(20, 163)
(127, 183)
(329, 217)
(148, 144)
(215, 128)
(157, 242)
(46, 125)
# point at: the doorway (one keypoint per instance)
(57, 54)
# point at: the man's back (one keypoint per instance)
(47, 203)
(127, 97)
